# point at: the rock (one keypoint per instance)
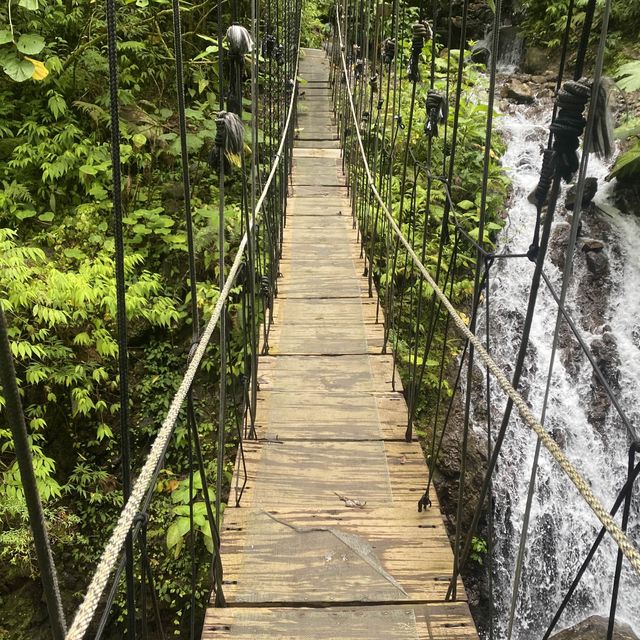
(535, 60)
(560, 437)
(558, 243)
(590, 189)
(605, 352)
(597, 263)
(532, 197)
(627, 196)
(447, 477)
(538, 79)
(591, 244)
(635, 335)
(519, 92)
(480, 53)
(570, 221)
(595, 628)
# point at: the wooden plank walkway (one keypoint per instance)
(300, 560)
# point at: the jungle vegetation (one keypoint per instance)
(56, 263)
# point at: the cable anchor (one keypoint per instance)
(388, 50)
(437, 111)
(568, 125)
(421, 31)
(424, 503)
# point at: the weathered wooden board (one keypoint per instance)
(314, 205)
(315, 152)
(309, 191)
(327, 541)
(315, 144)
(445, 621)
(340, 419)
(326, 131)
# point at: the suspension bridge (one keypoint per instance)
(329, 531)
(328, 536)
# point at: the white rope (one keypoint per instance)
(628, 548)
(113, 549)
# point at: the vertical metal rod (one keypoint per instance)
(15, 418)
(251, 245)
(223, 314)
(123, 360)
(633, 450)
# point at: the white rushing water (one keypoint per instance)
(562, 527)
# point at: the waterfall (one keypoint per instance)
(562, 527)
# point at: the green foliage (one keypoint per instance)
(314, 19)
(544, 22)
(57, 271)
(16, 48)
(478, 549)
(628, 76)
(627, 164)
(17, 553)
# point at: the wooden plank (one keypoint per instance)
(305, 191)
(417, 622)
(328, 516)
(316, 144)
(314, 205)
(315, 152)
(338, 555)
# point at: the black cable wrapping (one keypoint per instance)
(541, 193)
(421, 32)
(437, 110)
(388, 50)
(568, 126)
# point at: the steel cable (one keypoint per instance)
(113, 548)
(631, 553)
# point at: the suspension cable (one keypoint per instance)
(113, 548)
(121, 310)
(37, 523)
(567, 271)
(622, 540)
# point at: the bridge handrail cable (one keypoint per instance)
(622, 540)
(113, 549)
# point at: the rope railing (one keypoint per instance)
(132, 508)
(622, 540)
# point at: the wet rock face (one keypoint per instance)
(479, 16)
(518, 91)
(595, 628)
(535, 61)
(598, 263)
(627, 196)
(558, 243)
(590, 189)
(605, 352)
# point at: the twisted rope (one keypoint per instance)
(626, 546)
(113, 549)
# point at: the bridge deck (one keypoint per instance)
(328, 542)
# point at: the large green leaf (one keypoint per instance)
(628, 76)
(177, 530)
(32, 5)
(5, 36)
(18, 70)
(30, 44)
(627, 164)
(630, 128)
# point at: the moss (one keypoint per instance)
(23, 614)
